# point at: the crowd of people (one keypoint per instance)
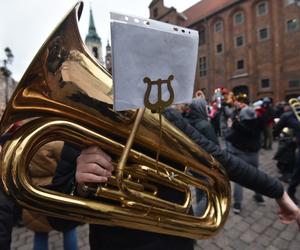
(244, 128)
(247, 127)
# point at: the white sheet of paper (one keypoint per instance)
(147, 48)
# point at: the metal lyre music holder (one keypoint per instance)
(160, 104)
(158, 107)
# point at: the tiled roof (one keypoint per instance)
(205, 8)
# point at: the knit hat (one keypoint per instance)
(247, 113)
(258, 104)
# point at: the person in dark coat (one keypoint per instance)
(288, 119)
(244, 142)
(286, 154)
(198, 117)
(92, 165)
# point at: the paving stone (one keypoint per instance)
(238, 244)
(278, 225)
(281, 243)
(264, 240)
(272, 248)
(272, 232)
(242, 226)
(233, 233)
(249, 236)
(286, 235)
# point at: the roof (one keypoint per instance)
(205, 8)
(92, 35)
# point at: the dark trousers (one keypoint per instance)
(10, 213)
(295, 180)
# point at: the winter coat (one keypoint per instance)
(245, 135)
(198, 118)
(286, 152)
(42, 169)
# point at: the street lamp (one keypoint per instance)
(6, 72)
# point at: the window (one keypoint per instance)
(240, 64)
(265, 83)
(238, 18)
(155, 12)
(95, 52)
(219, 48)
(219, 26)
(294, 83)
(202, 66)
(263, 34)
(201, 36)
(292, 25)
(239, 41)
(288, 2)
(261, 9)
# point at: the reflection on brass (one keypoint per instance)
(65, 95)
(295, 106)
(160, 104)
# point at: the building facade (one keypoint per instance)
(7, 87)
(247, 46)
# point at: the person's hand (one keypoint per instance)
(93, 166)
(288, 210)
(229, 122)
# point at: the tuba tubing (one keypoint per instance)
(65, 94)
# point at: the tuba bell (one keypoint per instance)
(65, 94)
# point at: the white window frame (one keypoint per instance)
(243, 18)
(236, 64)
(221, 52)
(221, 29)
(266, 6)
(235, 41)
(203, 66)
(286, 25)
(260, 83)
(258, 34)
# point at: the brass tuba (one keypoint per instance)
(295, 106)
(66, 94)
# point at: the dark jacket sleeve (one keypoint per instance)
(281, 124)
(238, 170)
(63, 181)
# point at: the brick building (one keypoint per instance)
(248, 46)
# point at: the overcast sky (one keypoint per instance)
(25, 24)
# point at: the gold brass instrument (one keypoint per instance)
(65, 94)
(295, 106)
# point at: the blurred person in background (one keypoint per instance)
(286, 154)
(289, 119)
(268, 122)
(244, 142)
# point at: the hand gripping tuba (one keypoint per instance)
(65, 94)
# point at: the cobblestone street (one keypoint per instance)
(257, 227)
